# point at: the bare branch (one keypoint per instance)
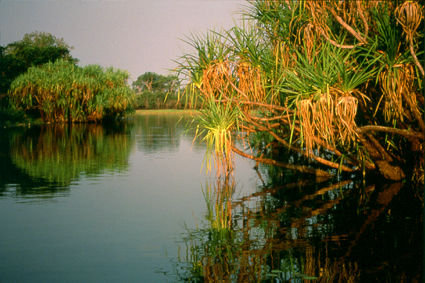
(363, 18)
(332, 41)
(346, 26)
(421, 69)
(303, 169)
(406, 133)
(303, 152)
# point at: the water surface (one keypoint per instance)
(129, 203)
(90, 203)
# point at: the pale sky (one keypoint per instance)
(135, 35)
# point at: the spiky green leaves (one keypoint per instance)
(64, 92)
(217, 123)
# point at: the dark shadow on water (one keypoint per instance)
(307, 231)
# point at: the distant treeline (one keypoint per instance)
(155, 91)
(40, 80)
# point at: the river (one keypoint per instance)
(131, 202)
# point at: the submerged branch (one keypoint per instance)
(376, 153)
(379, 147)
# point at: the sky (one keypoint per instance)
(135, 35)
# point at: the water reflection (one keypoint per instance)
(122, 207)
(333, 231)
(156, 133)
(288, 228)
(41, 161)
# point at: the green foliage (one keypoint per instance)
(317, 76)
(43, 39)
(216, 124)
(37, 48)
(16, 58)
(34, 49)
(59, 154)
(9, 116)
(64, 92)
(35, 56)
(154, 91)
(154, 82)
(10, 68)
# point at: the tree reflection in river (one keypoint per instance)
(291, 229)
(43, 160)
(157, 133)
(330, 231)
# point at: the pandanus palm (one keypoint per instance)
(64, 92)
(335, 81)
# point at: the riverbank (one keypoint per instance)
(166, 111)
(138, 112)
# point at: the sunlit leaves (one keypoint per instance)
(312, 73)
(216, 123)
(64, 92)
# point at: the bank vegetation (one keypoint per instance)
(338, 83)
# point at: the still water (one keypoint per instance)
(129, 203)
(88, 203)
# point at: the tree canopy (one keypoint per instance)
(157, 91)
(154, 82)
(34, 49)
(42, 39)
(338, 83)
(64, 92)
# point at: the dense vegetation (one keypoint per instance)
(339, 83)
(155, 91)
(64, 92)
(17, 57)
(34, 49)
(40, 79)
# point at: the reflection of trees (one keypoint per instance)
(340, 231)
(45, 159)
(10, 173)
(160, 132)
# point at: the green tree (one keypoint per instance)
(154, 82)
(10, 68)
(154, 90)
(64, 92)
(44, 39)
(337, 82)
(34, 49)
